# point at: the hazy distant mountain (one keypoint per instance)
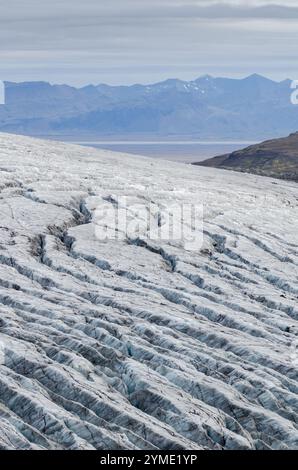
(206, 108)
(277, 158)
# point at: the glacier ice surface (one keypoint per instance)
(139, 344)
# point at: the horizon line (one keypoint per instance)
(252, 75)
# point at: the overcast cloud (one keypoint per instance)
(128, 41)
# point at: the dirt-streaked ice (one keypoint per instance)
(136, 344)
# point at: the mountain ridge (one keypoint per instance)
(253, 108)
(276, 158)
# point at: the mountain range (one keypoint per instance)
(277, 158)
(252, 108)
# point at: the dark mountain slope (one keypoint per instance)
(277, 158)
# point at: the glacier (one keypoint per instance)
(140, 344)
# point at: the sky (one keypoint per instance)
(145, 41)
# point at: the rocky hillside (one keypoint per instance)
(276, 158)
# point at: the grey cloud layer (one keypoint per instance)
(129, 40)
(17, 10)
